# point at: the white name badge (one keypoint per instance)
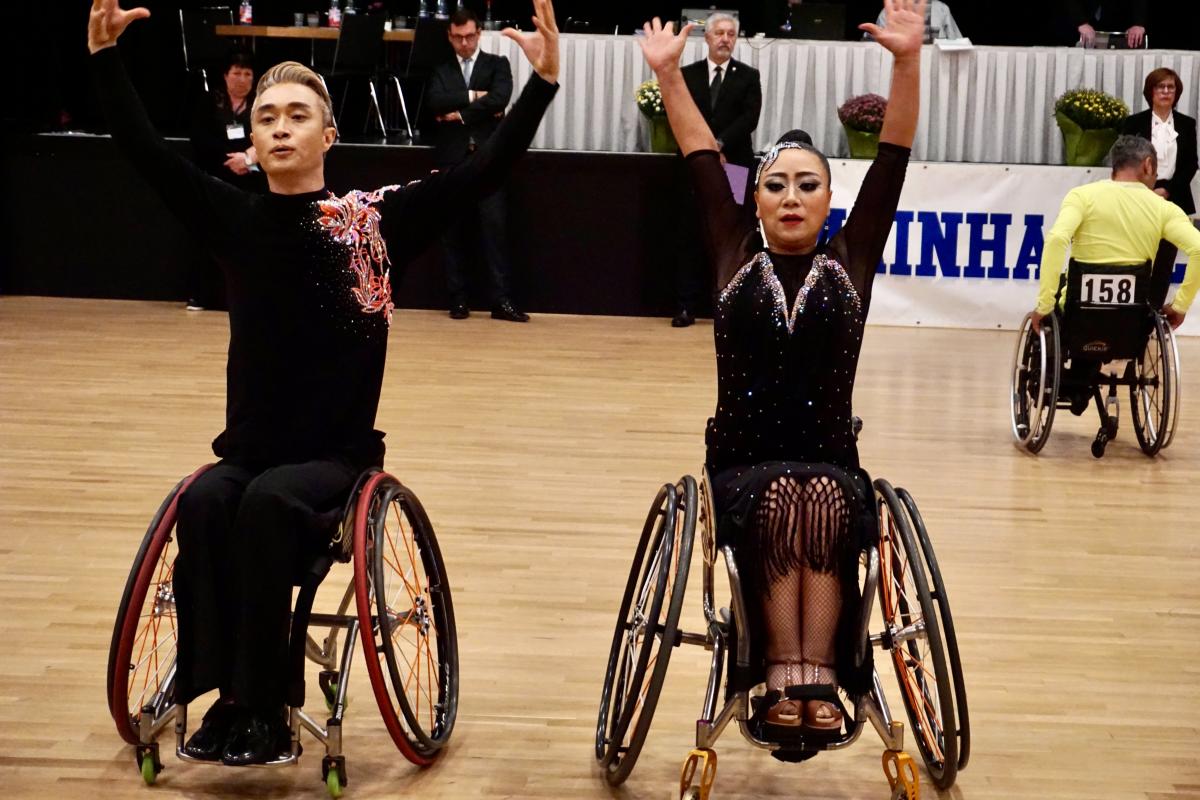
(1107, 290)
(235, 132)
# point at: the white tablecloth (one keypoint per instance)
(988, 104)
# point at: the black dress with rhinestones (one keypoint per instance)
(788, 333)
(309, 278)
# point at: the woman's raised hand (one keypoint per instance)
(540, 46)
(904, 27)
(107, 22)
(661, 46)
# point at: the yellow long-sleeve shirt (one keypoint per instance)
(1117, 222)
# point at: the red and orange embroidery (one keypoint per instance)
(353, 221)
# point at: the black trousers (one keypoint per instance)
(244, 536)
(488, 221)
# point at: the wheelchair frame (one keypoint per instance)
(731, 652)
(366, 523)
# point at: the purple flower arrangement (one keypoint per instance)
(863, 112)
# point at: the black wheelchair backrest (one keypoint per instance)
(1106, 315)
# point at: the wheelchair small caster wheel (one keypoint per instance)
(328, 680)
(902, 775)
(148, 764)
(333, 771)
(703, 762)
(1099, 445)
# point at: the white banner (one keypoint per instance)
(970, 241)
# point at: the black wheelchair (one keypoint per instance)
(402, 614)
(917, 631)
(1106, 334)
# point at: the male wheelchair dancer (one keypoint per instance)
(309, 276)
(1100, 325)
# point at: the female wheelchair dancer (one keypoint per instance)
(789, 321)
(310, 306)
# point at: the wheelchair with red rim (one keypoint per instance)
(397, 605)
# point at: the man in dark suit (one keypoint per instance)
(729, 95)
(1088, 16)
(468, 96)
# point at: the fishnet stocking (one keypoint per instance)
(801, 529)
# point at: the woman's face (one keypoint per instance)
(793, 201)
(238, 81)
(1164, 94)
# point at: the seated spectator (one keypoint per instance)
(939, 22)
(221, 144)
(1086, 17)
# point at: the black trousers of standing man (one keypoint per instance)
(245, 534)
(488, 220)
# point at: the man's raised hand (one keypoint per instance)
(540, 46)
(107, 22)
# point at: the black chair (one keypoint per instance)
(358, 57)
(202, 48)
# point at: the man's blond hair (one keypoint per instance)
(295, 72)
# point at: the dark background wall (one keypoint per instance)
(48, 64)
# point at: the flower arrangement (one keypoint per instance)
(863, 112)
(649, 100)
(1091, 109)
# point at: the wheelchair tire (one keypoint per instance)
(946, 623)
(1036, 377)
(141, 655)
(647, 629)
(917, 648)
(1154, 392)
(406, 618)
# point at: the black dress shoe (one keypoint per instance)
(683, 319)
(507, 311)
(459, 311)
(208, 742)
(256, 739)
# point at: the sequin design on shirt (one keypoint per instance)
(353, 220)
(821, 265)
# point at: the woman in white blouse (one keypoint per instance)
(1174, 138)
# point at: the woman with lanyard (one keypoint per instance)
(789, 316)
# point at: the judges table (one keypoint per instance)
(300, 32)
(986, 104)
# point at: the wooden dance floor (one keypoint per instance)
(536, 449)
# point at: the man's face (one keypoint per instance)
(721, 38)
(465, 39)
(289, 131)
(238, 81)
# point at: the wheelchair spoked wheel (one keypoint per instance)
(945, 623)
(1037, 366)
(647, 629)
(406, 618)
(911, 620)
(141, 656)
(1154, 393)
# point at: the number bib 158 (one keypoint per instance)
(1107, 290)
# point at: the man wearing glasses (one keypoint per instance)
(468, 97)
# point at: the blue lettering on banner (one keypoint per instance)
(943, 240)
(1030, 253)
(996, 245)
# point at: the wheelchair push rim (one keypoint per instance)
(1154, 390)
(406, 618)
(141, 655)
(647, 629)
(918, 655)
(946, 625)
(1035, 381)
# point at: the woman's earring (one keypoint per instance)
(762, 231)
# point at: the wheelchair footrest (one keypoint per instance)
(903, 778)
(797, 743)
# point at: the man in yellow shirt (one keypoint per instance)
(1121, 221)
